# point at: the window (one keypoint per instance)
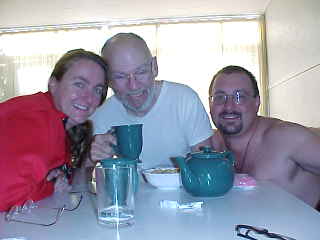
(188, 51)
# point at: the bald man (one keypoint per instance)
(173, 117)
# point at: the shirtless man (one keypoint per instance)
(285, 153)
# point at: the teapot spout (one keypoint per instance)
(189, 180)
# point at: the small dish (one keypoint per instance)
(163, 178)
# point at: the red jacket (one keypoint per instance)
(32, 142)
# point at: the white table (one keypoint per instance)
(266, 206)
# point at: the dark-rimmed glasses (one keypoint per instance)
(239, 97)
(248, 232)
(27, 213)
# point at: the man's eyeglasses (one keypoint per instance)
(140, 73)
(238, 97)
(250, 232)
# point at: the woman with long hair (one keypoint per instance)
(44, 135)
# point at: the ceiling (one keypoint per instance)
(17, 13)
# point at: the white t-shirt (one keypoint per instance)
(176, 122)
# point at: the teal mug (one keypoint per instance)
(129, 140)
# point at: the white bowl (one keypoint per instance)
(163, 178)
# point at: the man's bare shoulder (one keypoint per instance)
(286, 132)
(315, 130)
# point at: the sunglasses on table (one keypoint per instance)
(251, 232)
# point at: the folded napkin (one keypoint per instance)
(183, 206)
(244, 181)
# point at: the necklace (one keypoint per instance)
(243, 160)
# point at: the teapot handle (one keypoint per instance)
(230, 156)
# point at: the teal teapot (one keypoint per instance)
(207, 173)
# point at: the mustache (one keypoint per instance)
(134, 92)
(224, 113)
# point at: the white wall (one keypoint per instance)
(17, 13)
(293, 44)
(293, 37)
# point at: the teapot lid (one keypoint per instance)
(207, 152)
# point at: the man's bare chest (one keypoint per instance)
(265, 162)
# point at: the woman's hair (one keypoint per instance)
(80, 143)
(80, 135)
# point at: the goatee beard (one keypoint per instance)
(230, 130)
(141, 109)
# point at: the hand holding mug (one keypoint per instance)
(102, 147)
